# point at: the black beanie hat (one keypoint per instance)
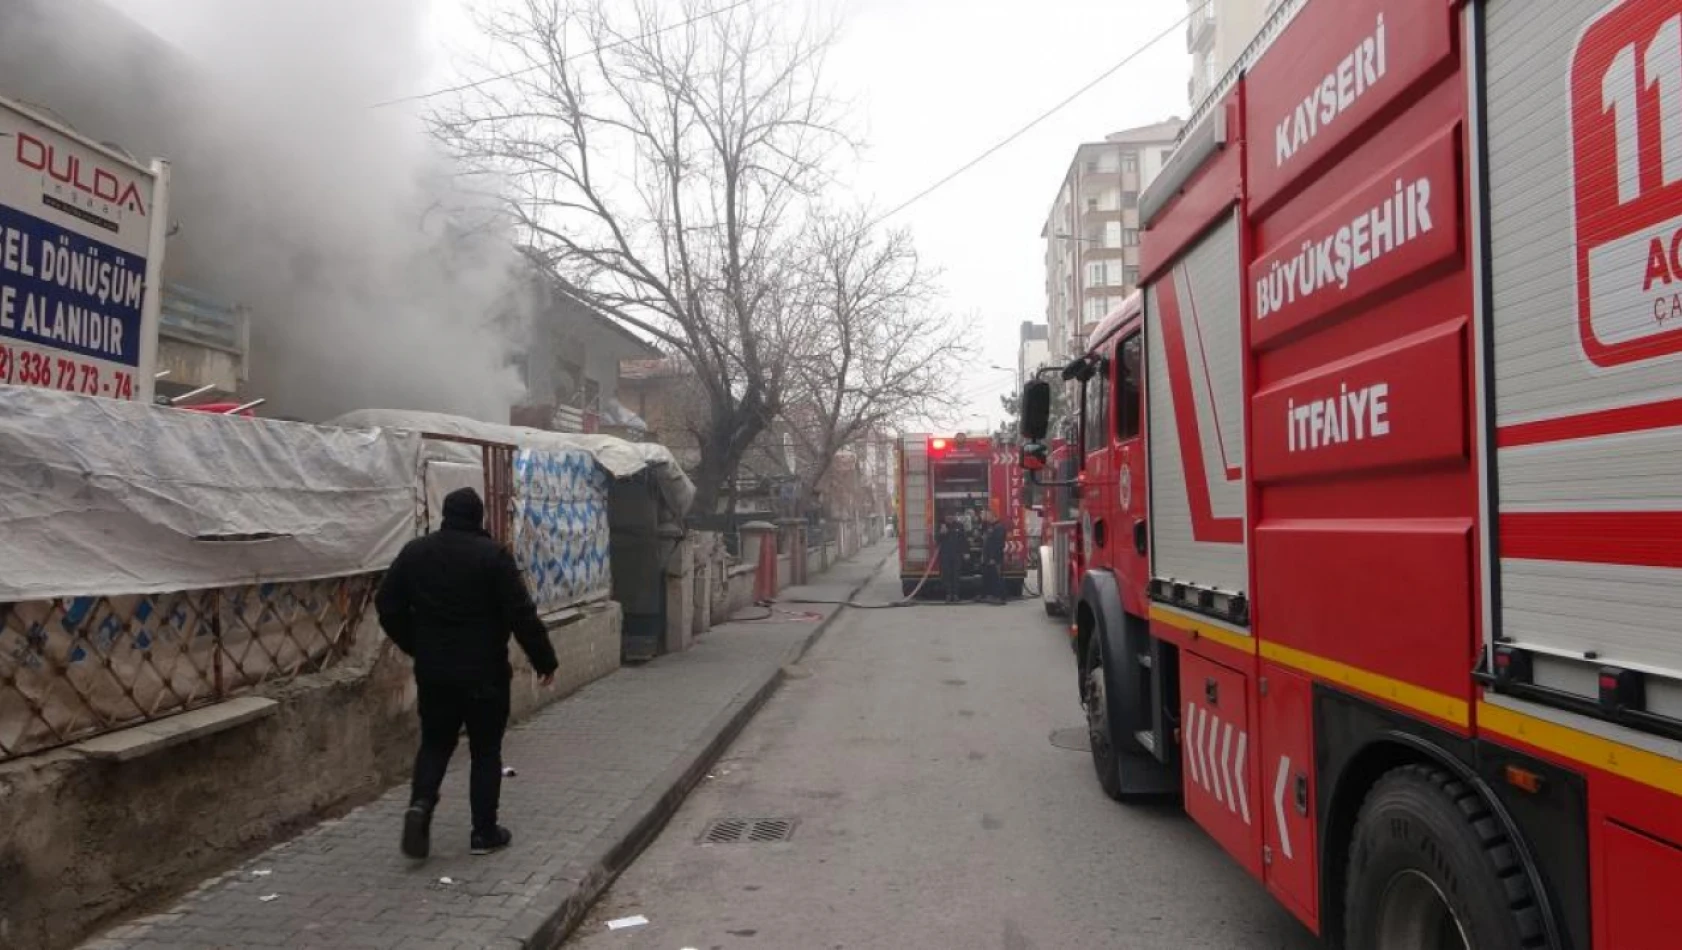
(463, 508)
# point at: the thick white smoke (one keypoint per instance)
(374, 281)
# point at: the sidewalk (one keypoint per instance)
(598, 775)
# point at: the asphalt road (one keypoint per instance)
(912, 751)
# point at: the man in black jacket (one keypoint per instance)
(450, 600)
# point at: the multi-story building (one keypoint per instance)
(1092, 234)
(1033, 350)
(1216, 33)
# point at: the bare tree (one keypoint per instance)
(661, 155)
(878, 352)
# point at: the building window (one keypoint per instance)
(1130, 161)
(1112, 229)
(1130, 276)
(1097, 275)
(1129, 237)
(1130, 199)
(1092, 167)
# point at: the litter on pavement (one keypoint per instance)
(268, 897)
(508, 771)
(446, 880)
(262, 872)
(623, 922)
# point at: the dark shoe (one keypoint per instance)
(417, 831)
(495, 841)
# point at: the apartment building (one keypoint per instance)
(1033, 349)
(1092, 233)
(1216, 33)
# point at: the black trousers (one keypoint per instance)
(951, 575)
(992, 582)
(445, 707)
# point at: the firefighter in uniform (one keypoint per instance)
(950, 541)
(992, 558)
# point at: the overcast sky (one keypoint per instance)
(936, 82)
(939, 81)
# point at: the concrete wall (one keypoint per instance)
(738, 592)
(194, 365)
(84, 840)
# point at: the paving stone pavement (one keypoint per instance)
(593, 770)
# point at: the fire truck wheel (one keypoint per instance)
(1095, 695)
(1431, 869)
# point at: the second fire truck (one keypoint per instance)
(957, 477)
(1378, 552)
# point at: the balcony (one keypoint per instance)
(1200, 29)
(201, 342)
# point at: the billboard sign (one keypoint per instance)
(81, 240)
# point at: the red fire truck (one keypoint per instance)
(1380, 496)
(956, 476)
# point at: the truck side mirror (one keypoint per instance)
(1035, 410)
(1033, 456)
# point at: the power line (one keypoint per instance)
(1130, 57)
(567, 59)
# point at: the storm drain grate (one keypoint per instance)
(748, 831)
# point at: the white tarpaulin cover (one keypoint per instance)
(104, 497)
(620, 458)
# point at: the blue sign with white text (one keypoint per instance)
(63, 291)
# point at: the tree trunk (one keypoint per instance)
(712, 474)
(727, 441)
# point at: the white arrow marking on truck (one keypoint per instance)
(1202, 763)
(1238, 767)
(1227, 772)
(1191, 755)
(1214, 759)
(1279, 803)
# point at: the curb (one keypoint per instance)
(583, 883)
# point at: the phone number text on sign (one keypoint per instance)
(29, 366)
(1626, 142)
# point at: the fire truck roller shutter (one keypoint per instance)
(1585, 331)
(1196, 400)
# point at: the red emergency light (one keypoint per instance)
(937, 445)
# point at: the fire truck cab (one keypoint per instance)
(1378, 562)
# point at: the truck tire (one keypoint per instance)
(1430, 868)
(1095, 697)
